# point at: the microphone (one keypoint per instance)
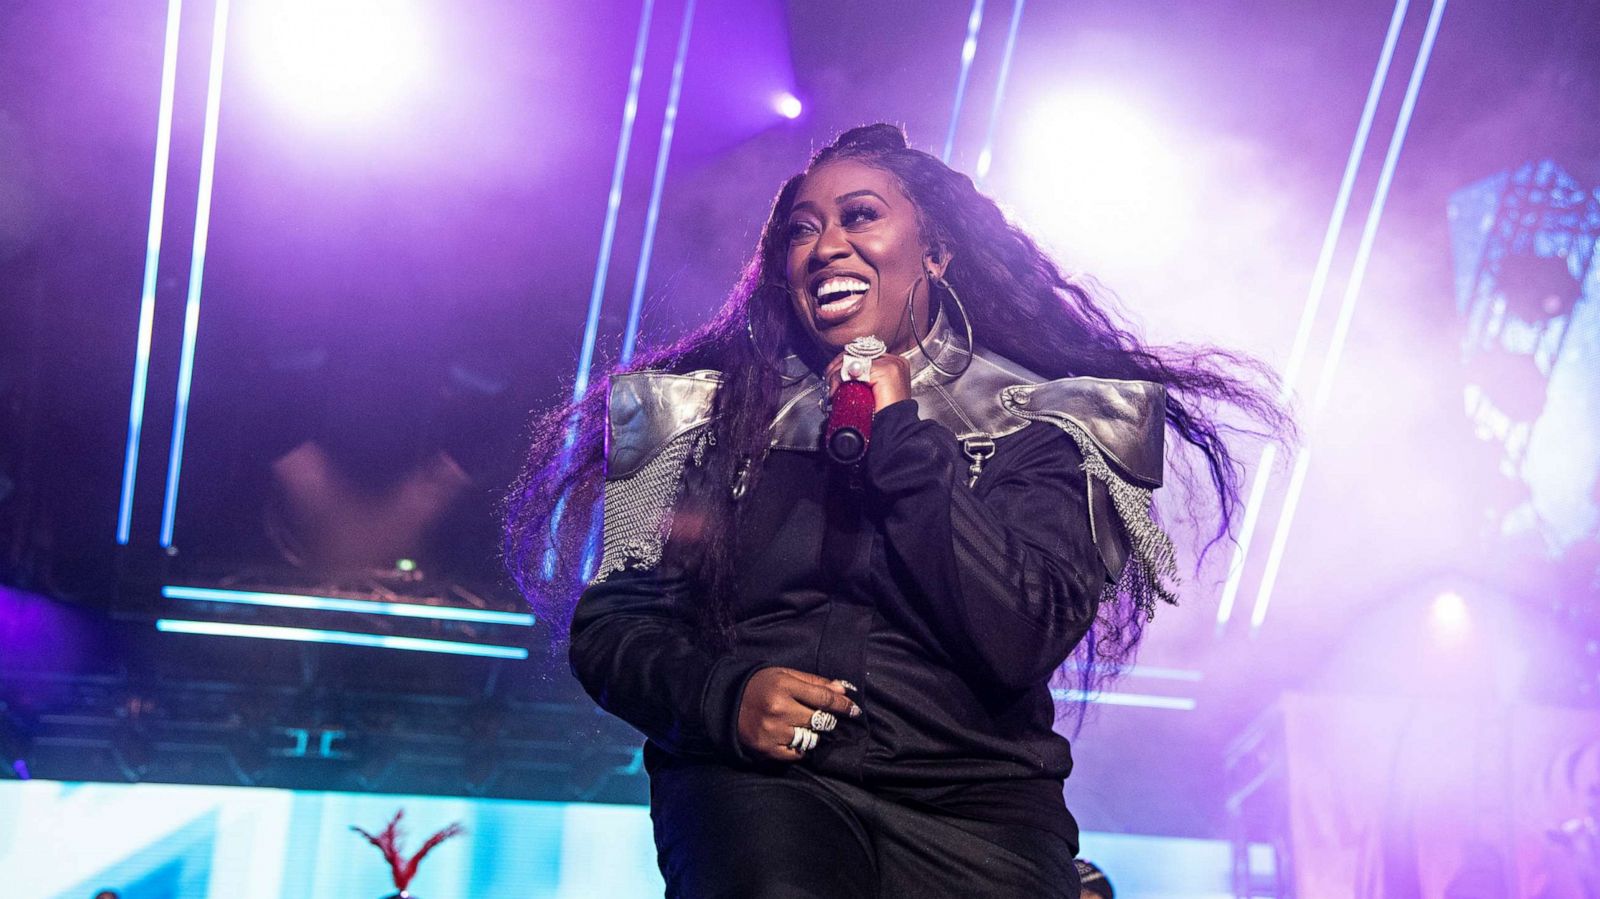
(850, 409)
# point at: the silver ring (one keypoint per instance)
(869, 347)
(822, 721)
(803, 741)
(856, 368)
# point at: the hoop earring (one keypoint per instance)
(761, 356)
(911, 311)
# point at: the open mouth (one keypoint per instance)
(838, 298)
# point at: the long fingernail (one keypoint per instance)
(855, 710)
(845, 685)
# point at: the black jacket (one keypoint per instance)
(949, 606)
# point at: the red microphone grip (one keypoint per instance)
(849, 422)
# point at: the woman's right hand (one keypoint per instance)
(778, 700)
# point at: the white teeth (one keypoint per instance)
(829, 289)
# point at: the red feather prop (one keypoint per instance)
(388, 842)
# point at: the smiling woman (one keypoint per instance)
(857, 260)
(843, 670)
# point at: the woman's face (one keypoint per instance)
(855, 251)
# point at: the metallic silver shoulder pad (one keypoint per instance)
(1127, 420)
(1120, 429)
(647, 409)
(657, 425)
(971, 405)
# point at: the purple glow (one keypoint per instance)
(20, 766)
(1099, 162)
(788, 105)
(335, 60)
(1449, 618)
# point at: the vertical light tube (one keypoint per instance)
(630, 337)
(986, 158)
(1347, 309)
(969, 49)
(1262, 474)
(197, 265)
(630, 112)
(653, 211)
(608, 233)
(152, 262)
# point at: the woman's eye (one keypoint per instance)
(800, 230)
(858, 215)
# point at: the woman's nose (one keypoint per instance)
(831, 244)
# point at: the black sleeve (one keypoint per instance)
(1007, 574)
(637, 654)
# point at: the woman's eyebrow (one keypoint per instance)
(860, 193)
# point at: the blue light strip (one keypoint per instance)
(197, 266)
(986, 158)
(668, 127)
(345, 638)
(1347, 309)
(1139, 700)
(630, 112)
(1151, 671)
(1262, 475)
(969, 49)
(341, 604)
(591, 326)
(152, 262)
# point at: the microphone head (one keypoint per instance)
(846, 446)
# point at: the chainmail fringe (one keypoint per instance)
(638, 508)
(1151, 574)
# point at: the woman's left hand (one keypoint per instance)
(890, 379)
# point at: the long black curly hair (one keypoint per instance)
(1020, 305)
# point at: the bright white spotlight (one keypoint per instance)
(1448, 617)
(788, 105)
(340, 59)
(1097, 173)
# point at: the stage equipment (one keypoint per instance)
(1525, 249)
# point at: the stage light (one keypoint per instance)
(343, 604)
(788, 105)
(1136, 700)
(346, 638)
(1099, 173)
(340, 59)
(1448, 617)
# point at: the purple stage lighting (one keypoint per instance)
(340, 59)
(1448, 617)
(1100, 166)
(788, 105)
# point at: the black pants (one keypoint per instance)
(722, 832)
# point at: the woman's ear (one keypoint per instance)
(936, 260)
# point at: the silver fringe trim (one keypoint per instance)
(638, 508)
(1151, 573)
